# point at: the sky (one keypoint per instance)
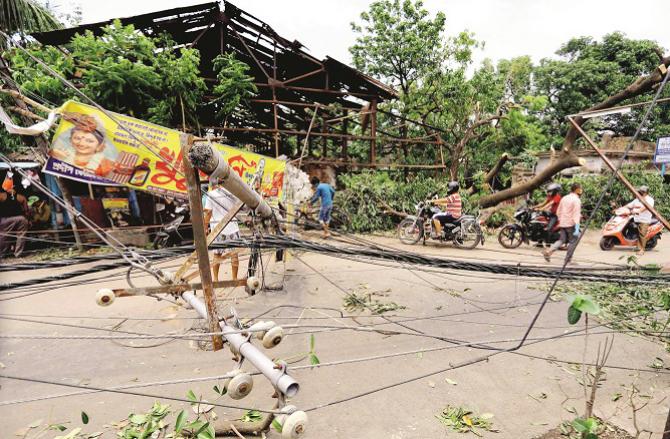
(509, 28)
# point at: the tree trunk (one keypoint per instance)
(567, 159)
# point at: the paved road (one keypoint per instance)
(527, 396)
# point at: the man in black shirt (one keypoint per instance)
(13, 221)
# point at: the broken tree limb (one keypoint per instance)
(17, 95)
(564, 161)
(488, 178)
(567, 158)
(210, 161)
(392, 211)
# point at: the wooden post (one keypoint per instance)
(210, 239)
(200, 239)
(276, 121)
(345, 131)
(619, 175)
(324, 139)
(373, 131)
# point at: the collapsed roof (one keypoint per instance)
(289, 79)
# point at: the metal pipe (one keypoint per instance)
(279, 379)
(210, 161)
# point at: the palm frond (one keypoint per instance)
(26, 16)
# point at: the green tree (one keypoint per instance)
(588, 71)
(398, 42)
(122, 70)
(234, 86)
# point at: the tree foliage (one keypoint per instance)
(588, 71)
(398, 42)
(482, 111)
(123, 70)
(234, 86)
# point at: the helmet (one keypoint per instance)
(643, 189)
(554, 187)
(452, 187)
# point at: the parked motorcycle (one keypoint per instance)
(464, 233)
(622, 230)
(168, 235)
(530, 225)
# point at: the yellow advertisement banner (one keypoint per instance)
(91, 147)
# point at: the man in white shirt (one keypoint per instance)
(219, 202)
(642, 216)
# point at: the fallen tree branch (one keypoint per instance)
(567, 158)
(488, 178)
(392, 211)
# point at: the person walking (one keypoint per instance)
(219, 202)
(325, 192)
(642, 217)
(13, 218)
(569, 215)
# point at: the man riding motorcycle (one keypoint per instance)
(550, 205)
(451, 206)
(642, 216)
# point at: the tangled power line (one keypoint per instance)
(360, 251)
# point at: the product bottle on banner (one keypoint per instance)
(140, 174)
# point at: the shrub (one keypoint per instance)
(367, 196)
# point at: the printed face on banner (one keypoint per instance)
(90, 147)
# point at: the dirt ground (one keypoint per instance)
(357, 399)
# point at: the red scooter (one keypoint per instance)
(622, 230)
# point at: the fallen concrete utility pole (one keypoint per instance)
(239, 343)
(210, 161)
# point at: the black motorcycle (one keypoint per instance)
(530, 225)
(168, 235)
(464, 233)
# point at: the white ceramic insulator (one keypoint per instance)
(240, 386)
(294, 425)
(105, 297)
(253, 283)
(273, 337)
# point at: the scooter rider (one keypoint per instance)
(452, 208)
(550, 205)
(642, 216)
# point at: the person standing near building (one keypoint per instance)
(219, 203)
(325, 193)
(569, 215)
(642, 217)
(13, 218)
